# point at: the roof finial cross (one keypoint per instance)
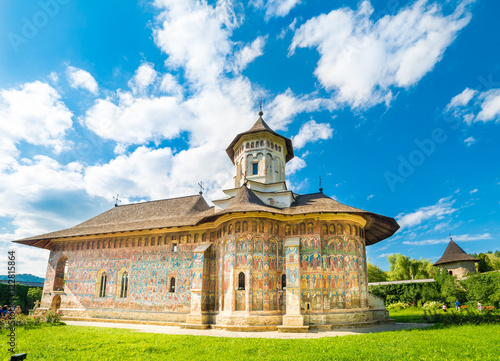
(451, 239)
(201, 188)
(261, 113)
(117, 200)
(320, 188)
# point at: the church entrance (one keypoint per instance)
(56, 303)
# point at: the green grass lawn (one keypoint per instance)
(412, 314)
(96, 344)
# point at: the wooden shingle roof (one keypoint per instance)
(174, 212)
(194, 210)
(454, 253)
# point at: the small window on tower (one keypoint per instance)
(255, 168)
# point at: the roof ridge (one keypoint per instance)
(159, 200)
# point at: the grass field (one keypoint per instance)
(412, 314)
(96, 344)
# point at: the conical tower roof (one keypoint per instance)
(260, 126)
(454, 253)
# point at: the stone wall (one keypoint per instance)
(460, 269)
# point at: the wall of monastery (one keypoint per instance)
(331, 272)
(460, 269)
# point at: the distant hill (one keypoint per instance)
(24, 277)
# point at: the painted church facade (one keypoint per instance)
(261, 258)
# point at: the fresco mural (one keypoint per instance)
(149, 269)
(328, 271)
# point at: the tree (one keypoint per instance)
(375, 273)
(406, 268)
(484, 264)
(451, 291)
(400, 267)
(483, 287)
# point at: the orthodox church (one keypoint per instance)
(262, 258)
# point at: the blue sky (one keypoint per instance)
(395, 105)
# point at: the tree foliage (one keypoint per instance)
(484, 264)
(375, 273)
(24, 296)
(406, 268)
(484, 288)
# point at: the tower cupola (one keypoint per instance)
(260, 154)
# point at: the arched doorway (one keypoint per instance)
(56, 303)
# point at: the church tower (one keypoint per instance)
(259, 156)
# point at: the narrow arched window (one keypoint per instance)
(283, 282)
(241, 281)
(61, 272)
(172, 284)
(124, 285)
(101, 285)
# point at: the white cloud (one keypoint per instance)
(248, 54)
(437, 211)
(461, 99)
(364, 61)
(130, 120)
(312, 132)
(473, 191)
(384, 255)
(195, 36)
(370, 197)
(159, 173)
(469, 141)
(169, 85)
(144, 76)
(275, 8)
(286, 105)
(24, 200)
(79, 78)
(53, 77)
(460, 238)
(490, 106)
(34, 113)
(473, 106)
(294, 165)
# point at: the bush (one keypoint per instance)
(29, 322)
(462, 318)
(432, 305)
(484, 288)
(397, 306)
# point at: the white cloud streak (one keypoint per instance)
(276, 8)
(474, 106)
(460, 238)
(437, 211)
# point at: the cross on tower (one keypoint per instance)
(201, 188)
(320, 188)
(117, 200)
(261, 113)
